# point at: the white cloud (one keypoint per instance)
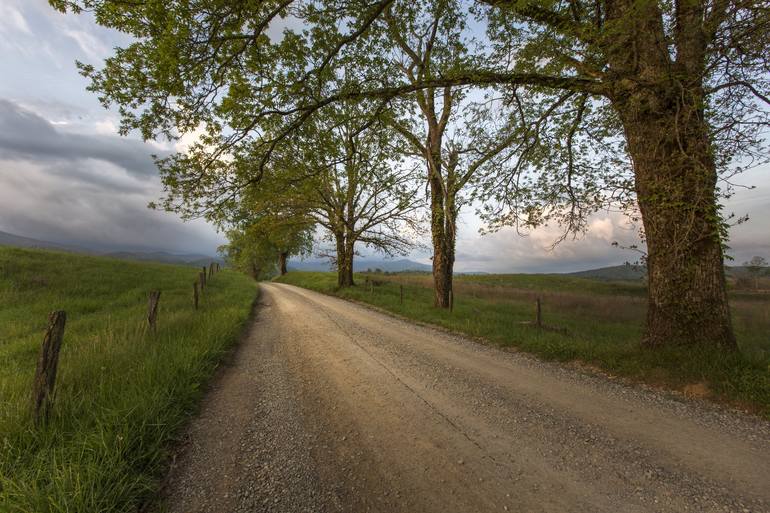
(90, 45)
(12, 21)
(106, 127)
(602, 228)
(188, 139)
(509, 251)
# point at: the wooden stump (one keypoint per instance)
(195, 294)
(152, 310)
(48, 361)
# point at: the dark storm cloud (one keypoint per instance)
(92, 205)
(25, 135)
(96, 177)
(86, 189)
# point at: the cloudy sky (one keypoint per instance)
(66, 176)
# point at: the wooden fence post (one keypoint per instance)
(202, 276)
(47, 362)
(152, 310)
(217, 266)
(211, 269)
(538, 314)
(451, 300)
(401, 294)
(195, 294)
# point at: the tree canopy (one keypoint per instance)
(597, 100)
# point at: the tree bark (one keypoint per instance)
(347, 270)
(443, 239)
(660, 100)
(675, 179)
(255, 271)
(442, 217)
(344, 261)
(283, 256)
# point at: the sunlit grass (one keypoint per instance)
(122, 393)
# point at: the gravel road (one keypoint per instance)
(331, 406)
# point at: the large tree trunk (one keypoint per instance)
(661, 107)
(344, 261)
(282, 258)
(675, 178)
(443, 256)
(348, 268)
(442, 229)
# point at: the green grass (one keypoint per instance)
(121, 394)
(596, 323)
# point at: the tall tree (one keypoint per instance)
(683, 81)
(685, 84)
(428, 42)
(339, 172)
(345, 175)
(429, 39)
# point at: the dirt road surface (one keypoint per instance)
(331, 406)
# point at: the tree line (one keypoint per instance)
(342, 113)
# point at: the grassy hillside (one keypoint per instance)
(586, 321)
(121, 394)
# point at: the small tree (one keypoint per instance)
(756, 268)
(250, 254)
(262, 253)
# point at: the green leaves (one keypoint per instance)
(256, 75)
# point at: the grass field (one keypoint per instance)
(121, 394)
(587, 321)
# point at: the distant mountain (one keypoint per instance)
(309, 265)
(742, 270)
(9, 239)
(194, 259)
(637, 272)
(391, 266)
(626, 272)
(361, 265)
